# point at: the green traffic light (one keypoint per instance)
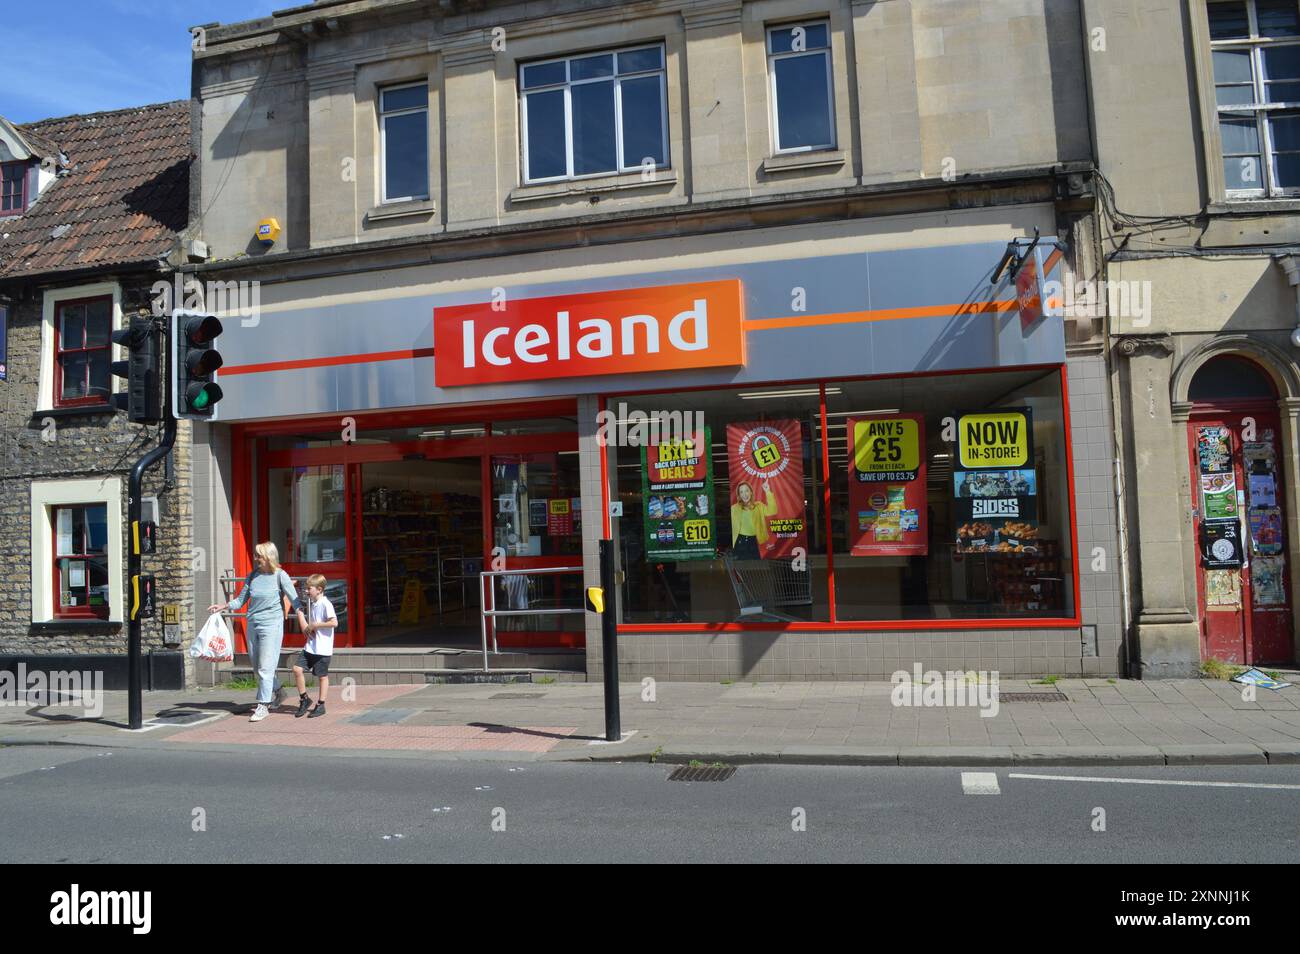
(200, 400)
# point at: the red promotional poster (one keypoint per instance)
(767, 495)
(887, 513)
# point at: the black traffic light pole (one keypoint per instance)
(135, 661)
(609, 642)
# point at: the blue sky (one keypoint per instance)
(82, 56)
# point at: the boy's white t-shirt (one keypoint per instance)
(321, 641)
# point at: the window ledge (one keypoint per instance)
(799, 161)
(75, 411)
(401, 210)
(63, 625)
(585, 187)
(1253, 206)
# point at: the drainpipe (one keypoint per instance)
(1290, 264)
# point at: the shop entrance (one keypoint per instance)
(1239, 515)
(422, 540)
(403, 518)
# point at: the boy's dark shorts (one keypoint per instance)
(310, 662)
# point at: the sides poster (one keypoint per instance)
(887, 510)
(677, 490)
(765, 462)
(995, 483)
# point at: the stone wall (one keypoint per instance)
(42, 447)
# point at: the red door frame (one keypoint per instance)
(1229, 413)
(252, 460)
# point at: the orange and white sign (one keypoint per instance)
(627, 331)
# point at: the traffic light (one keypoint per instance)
(194, 364)
(142, 399)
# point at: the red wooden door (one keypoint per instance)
(1245, 610)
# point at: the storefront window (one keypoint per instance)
(722, 505)
(534, 425)
(537, 505)
(537, 512)
(307, 513)
(948, 499)
(966, 528)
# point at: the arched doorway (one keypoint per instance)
(1242, 582)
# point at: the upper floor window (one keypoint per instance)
(799, 73)
(82, 344)
(1256, 49)
(81, 578)
(13, 188)
(404, 140)
(594, 114)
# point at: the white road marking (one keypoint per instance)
(152, 724)
(626, 735)
(980, 783)
(1153, 781)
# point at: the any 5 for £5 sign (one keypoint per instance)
(1002, 439)
(886, 448)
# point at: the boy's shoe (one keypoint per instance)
(259, 713)
(318, 711)
(278, 699)
(303, 705)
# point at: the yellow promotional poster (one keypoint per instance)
(887, 507)
(1000, 439)
(887, 448)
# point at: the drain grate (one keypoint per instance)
(518, 695)
(702, 773)
(1032, 697)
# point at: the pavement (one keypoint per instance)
(1099, 722)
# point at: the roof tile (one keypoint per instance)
(125, 198)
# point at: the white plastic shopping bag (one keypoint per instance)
(213, 642)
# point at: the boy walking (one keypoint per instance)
(315, 655)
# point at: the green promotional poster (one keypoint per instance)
(677, 490)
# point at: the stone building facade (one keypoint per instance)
(854, 171)
(1200, 233)
(79, 259)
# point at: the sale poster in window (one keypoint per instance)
(767, 495)
(559, 517)
(995, 486)
(677, 490)
(887, 510)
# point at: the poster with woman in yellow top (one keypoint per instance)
(765, 464)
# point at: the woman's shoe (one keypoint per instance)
(259, 713)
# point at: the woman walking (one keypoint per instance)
(265, 590)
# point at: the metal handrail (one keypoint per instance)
(490, 597)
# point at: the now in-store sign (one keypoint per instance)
(625, 331)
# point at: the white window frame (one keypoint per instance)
(1259, 109)
(46, 495)
(619, 158)
(49, 310)
(384, 197)
(772, 58)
